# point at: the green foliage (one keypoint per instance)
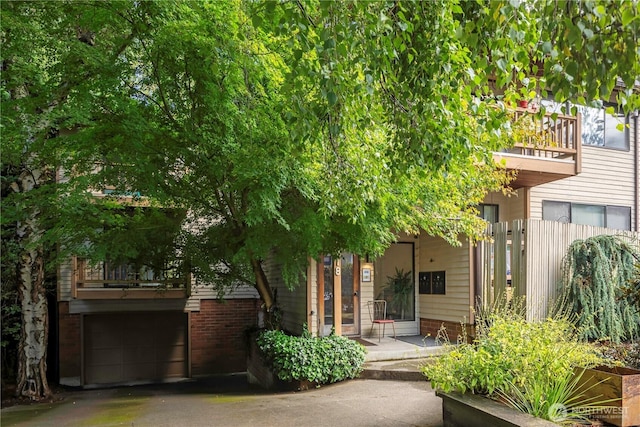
(284, 124)
(285, 129)
(322, 360)
(632, 289)
(595, 273)
(9, 305)
(508, 350)
(399, 291)
(561, 400)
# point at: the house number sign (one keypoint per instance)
(337, 270)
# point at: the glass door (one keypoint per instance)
(340, 284)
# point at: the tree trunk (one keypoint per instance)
(266, 294)
(32, 349)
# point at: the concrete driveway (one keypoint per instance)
(230, 401)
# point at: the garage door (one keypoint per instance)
(126, 347)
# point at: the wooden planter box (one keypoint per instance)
(472, 410)
(617, 383)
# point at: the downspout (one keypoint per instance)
(473, 280)
(636, 171)
(310, 309)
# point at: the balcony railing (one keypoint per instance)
(547, 148)
(105, 281)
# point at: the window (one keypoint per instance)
(600, 129)
(489, 213)
(616, 217)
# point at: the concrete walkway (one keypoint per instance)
(230, 401)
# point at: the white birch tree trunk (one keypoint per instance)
(32, 350)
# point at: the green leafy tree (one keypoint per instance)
(281, 129)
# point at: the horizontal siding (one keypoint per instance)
(314, 322)
(510, 206)
(437, 255)
(79, 306)
(203, 291)
(292, 303)
(65, 274)
(607, 178)
(367, 295)
(636, 137)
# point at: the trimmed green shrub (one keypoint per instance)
(322, 360)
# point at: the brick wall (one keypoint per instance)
(69, 345)
(431, 327)
(218, 335)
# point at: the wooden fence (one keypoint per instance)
(525, 257)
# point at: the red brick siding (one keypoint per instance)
(431, 327)
(69, 345)
(218, 335)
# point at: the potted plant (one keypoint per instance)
(398, 291)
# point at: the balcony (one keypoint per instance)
(105, 281)
(546, 149)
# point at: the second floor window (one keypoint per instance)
(616, 217)
(600, 129)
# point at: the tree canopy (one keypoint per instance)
(284, 129)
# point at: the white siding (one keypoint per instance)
(437, 255)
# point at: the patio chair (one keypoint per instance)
(378, 316)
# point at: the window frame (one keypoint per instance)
(481, 210)
(572, 204)
(606, 117)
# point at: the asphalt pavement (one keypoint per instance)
(231, 401)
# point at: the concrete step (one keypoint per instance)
(399, 370)
(389, 348)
